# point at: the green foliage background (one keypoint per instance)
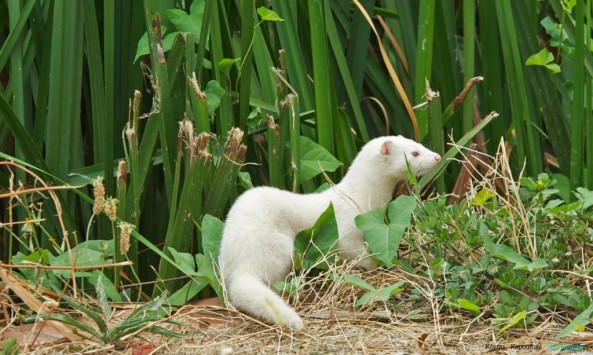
(310, 80)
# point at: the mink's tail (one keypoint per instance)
(248, 293)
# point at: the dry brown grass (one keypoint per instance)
(334, 325)
(404, 324)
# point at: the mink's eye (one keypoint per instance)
(415, 154)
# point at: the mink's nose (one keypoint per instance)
(437, 158)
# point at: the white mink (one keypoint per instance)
(258, 236)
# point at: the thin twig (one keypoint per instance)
(49, 267)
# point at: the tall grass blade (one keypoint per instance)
(446, 79)
(16, 31)
(247, 38)
(296, 67)
(394, 77)
(577, 109)
(469, 50)
(96, 83)
(162, 102)
(223, 118)
(22, 138)
(38, 19)
(16, 70)
(64, 87)
(358, 45)
(424, 51)
(266, 81)
(545, 89)
(435, 130)
(527, 141)
(203, 40)
(589, 106)
(106, 125)
(290, 111)
(275, 153)
(347, 74)
(324, 101)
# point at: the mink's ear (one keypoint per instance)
(387, 148)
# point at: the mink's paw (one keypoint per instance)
(367, 264)
(294, 322)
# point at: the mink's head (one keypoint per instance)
(389, 154)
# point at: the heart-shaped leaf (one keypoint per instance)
(384, 237)
(315, 159)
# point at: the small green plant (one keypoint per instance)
(202, 268)
(373, 294)
(94, 253)
(145, 317)
(498, 253)
(9, 347)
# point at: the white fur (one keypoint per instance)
(258, 236)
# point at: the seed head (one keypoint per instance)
(99, 194)
(124, 236)
(111, 208)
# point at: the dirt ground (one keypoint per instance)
(413, 321)
(333, 325)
